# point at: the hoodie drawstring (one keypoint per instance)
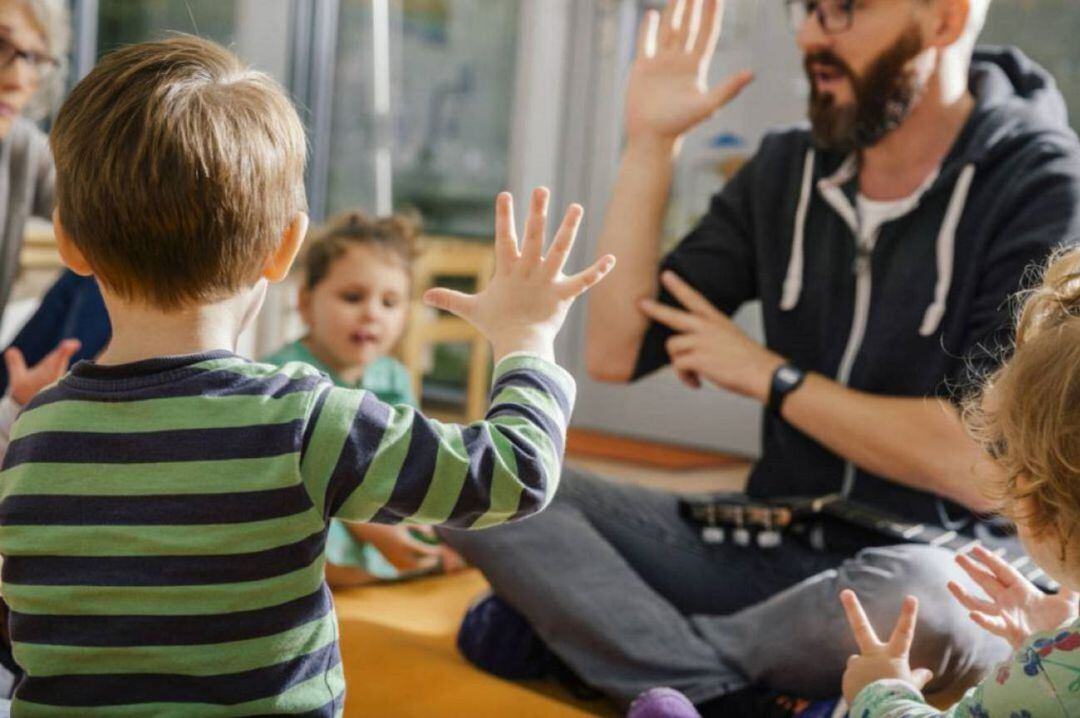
(945, 247)
(946, 250)
(794, 277)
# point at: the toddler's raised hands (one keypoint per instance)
(1016, 608)
(879, 660)
(526, 302)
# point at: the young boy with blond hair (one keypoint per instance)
(163, 511)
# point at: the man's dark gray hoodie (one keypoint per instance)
(910, 312)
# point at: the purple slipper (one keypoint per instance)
(662, 703)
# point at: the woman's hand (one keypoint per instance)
(1016, 608)
(24, 383)
(878, 660)
(400, 546)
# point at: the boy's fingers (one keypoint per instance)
(689, 297)
(970, 602)
(532, 247)
(61, 356)
(564, 240)
(16, 364)
(921, 676)
(450, 301)
(580, 283)
(904, 632)
(865, 637)
(506, 246)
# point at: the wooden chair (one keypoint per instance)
(440, 258)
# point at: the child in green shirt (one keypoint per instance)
(164, 509)
(354, 301)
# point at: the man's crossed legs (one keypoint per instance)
(623, 590)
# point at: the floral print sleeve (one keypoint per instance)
(1042, 679)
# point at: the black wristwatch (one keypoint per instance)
(785, 380)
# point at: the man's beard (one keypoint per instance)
(884, 97)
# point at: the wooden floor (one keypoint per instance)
(660, 466)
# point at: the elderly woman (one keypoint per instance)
(33, 46)
(33, 51)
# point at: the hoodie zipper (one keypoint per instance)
(861, 267)
(860, 318)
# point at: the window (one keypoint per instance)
(423, 100)
(1046, 31)
(257, 30)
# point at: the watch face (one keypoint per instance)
(788, 375)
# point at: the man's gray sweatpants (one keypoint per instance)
(626, 593)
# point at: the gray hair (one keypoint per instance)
(55, 20)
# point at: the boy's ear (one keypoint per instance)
(281, 260)
(70, 254)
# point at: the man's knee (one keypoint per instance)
(946, 641)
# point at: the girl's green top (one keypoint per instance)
(1041, 680)
(389, 380)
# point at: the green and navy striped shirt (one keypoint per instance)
(163, 523)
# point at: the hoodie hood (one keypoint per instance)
(1016, 100)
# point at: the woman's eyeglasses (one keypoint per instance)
(41, 63)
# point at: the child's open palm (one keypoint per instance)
(1016, 608)
(526, 302)
(879, 660)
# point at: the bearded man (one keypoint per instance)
(884, 242)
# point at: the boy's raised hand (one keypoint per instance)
(24, 382)
(526, 302)
(1016, 608)
(880, 660)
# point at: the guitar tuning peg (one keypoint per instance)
(712, 534)
(741, 537)
(769, 539)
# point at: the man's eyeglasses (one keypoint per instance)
(41, 63)
(834, 16)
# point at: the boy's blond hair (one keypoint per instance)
(1028, 415)
(178, 170)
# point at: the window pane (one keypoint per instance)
(1046, 31)
(446, 68)
(257, 30)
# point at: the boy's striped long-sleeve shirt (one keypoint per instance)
(162, 523)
